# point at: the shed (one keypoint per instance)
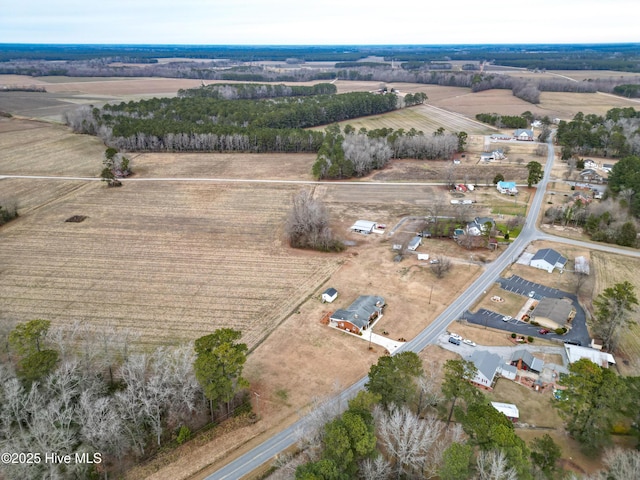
(329, 295)
(548, 259)
(414, 243)
(423, 256)
(508, 409)
(582, 265)
(363, 226)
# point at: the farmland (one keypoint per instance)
(169, 262)
(175, 254)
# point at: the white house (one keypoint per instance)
(329, 295)
(363, 226)
(507, 187)
(548, 259)
(523, 134)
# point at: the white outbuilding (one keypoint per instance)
(329, 295)
(363, 226)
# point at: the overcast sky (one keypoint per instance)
(325, 22)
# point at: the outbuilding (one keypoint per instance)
(329, 295)
(363, 226)
(575, 353)
(508, 409)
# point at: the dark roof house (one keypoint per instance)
(359, 314)
(548, 259)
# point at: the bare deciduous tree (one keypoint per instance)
(492, 465)
(441, 265)
(376, 469)
(308, 224)
(407, 439)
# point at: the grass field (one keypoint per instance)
(425, 118)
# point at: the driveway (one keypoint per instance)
(578, 334)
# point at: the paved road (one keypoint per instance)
(279, 442)
(262, 453)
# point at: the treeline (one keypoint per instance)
(349, 153)
(245, 91)
(210, 124)
(614, 135)
(509, 121)
(627, 90)
(74, 390)
(23, 88)
(558, 57)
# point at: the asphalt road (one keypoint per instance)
(248, 462)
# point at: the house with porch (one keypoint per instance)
(548, 259)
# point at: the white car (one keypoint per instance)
(469, 342)
(456, 336)
(506, 318)
(532, 293)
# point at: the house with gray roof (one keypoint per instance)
(479, 225)
(359, 315)
(553, 312)
(523, 134)
(523, 359)
(488, 367)
(548, 259)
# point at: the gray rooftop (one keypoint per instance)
(555, 309)
(534, 364)
(487, 363)
(550, 255)
(361, 310)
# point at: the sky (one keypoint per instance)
(317, 22)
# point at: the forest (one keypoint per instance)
(193, 122)
(622, 57)
(80, 390)
(614, 135)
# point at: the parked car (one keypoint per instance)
(466, 341)
(434, 261)
(532, 293)
(543, 331)
(456, 336)
(454, 340)
(506, 318)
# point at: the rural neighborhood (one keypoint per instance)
(306, 263)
